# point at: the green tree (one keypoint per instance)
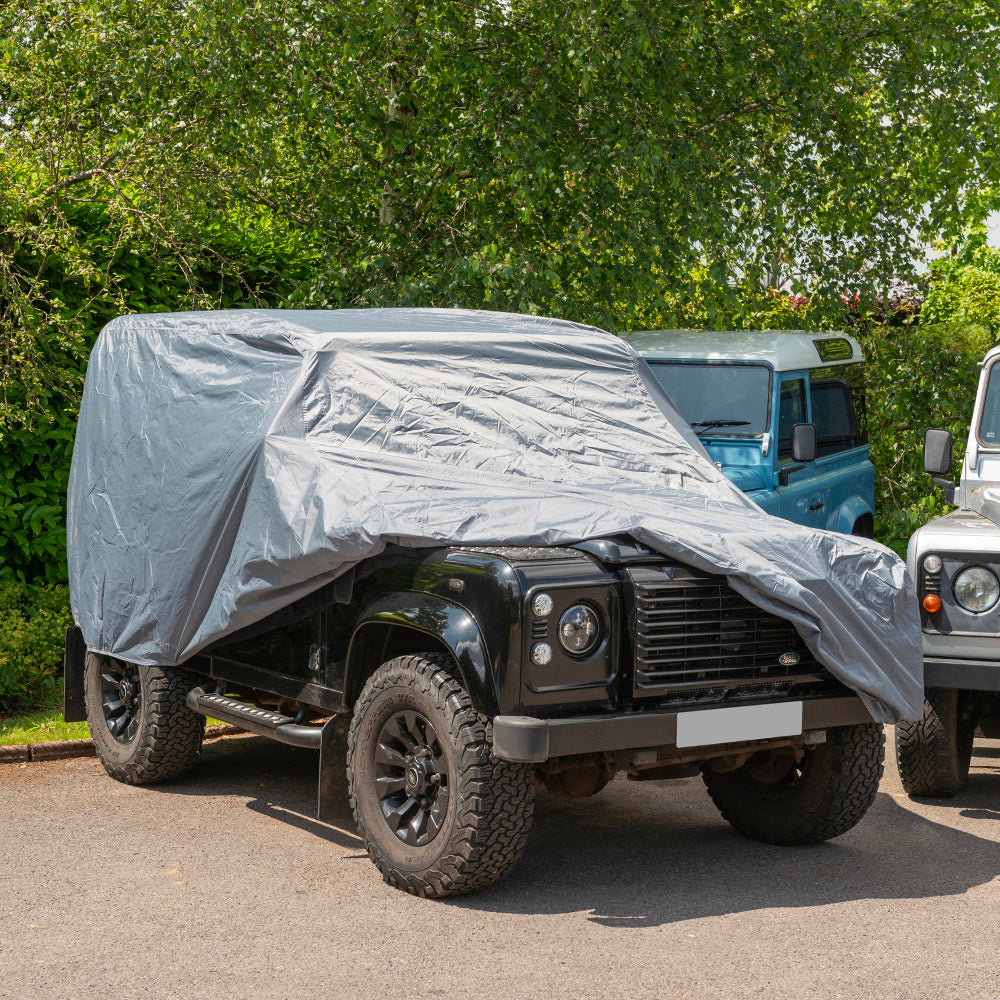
(574, 158)
(606, 161)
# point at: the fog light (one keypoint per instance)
(541, 654)
(932, 604)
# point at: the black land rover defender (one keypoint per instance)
(454, 680)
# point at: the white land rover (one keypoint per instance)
(955, 564)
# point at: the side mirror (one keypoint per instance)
(803, 450)
(937, 460)
(803, 442)
(937, 452)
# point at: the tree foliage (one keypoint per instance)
(33, 623)
(627, 164)
(576, 158)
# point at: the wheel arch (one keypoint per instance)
(864, 526)
(396, 625)
(852, 511)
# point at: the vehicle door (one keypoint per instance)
(842, 472)
(800, 498)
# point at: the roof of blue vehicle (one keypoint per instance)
(784, 350)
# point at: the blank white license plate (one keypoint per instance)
(742, 722)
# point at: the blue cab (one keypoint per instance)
(744, 393)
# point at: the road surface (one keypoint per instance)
(222, 885)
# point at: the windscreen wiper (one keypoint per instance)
(707, 425)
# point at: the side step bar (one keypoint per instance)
(255, 720)
(330, 739)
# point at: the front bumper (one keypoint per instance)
(527, 740)
(969, 675)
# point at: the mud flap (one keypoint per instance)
(74, 654)
(334, 804)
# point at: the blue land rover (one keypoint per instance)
(749, 394)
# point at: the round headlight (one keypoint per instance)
(976, 589)
(579, 629)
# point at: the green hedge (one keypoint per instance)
(926, 374)
(33, 623)
(229, 268)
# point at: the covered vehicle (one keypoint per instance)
(432, 520)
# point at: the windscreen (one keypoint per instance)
(989, 421)
(723, 398)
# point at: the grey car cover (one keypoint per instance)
(229, 463)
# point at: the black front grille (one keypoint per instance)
(692, 630)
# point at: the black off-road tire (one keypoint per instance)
(933, 754)
(815, 799)
(484, 818)
(160, 738)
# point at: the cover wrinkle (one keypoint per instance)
(229, 463)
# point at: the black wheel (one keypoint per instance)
(934, 753)
(143, 730)
(439, 814)
(781, 797)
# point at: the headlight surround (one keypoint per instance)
(976, 589)
(579, 629)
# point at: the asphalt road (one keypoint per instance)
(224, 886)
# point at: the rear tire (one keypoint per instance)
(142, 728)
(439, 814)
(933, 754)
(780, 800)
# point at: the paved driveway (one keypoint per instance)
(224, 886)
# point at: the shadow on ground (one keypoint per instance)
(275, 779)
(980, 799)
(641, 855)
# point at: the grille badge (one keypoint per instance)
(788, 659)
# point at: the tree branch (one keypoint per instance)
(746, 109)
(79, 178)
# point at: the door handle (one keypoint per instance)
(816, 506)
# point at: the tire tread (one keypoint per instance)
(842, 783)
(928, 752)
(492, 823)
(169, 740)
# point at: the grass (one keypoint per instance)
(41, 726)
(45, 725)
